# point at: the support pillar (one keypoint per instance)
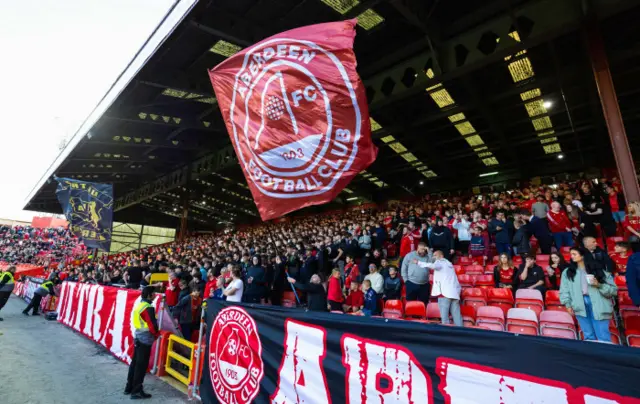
(185, 215)
(611, 109)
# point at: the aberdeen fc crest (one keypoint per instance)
(235, 362)
(296, 111)
(293, 139)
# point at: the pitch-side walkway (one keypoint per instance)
(43, 362)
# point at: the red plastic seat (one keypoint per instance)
(433, 312)
(625, 305)
(465, 261)
(558, 324)
(490, 317)
(474, 270)
(552, 298)
(633, 331)
(621, 282)
(500, 297)
(459, 269)
(629, 315)
(495, 259)
(611, 242)
(484, 281)
(466, 281)
(415, 309)
(529, 299)
(517, 260)
(394, 305)
(615, 335)
(542, 260)
(468, 315)
(474, 297)
(522, 321)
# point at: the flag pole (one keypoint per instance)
(273, 240)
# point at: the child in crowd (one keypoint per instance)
(351, 273)
(334, 292)
(355, 300)
(621, 256)
(370, 299)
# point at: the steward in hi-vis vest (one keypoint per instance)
(43, 290)
(6, 286)
(143, 320)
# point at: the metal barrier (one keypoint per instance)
(188, 362)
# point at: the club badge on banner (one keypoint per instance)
(296, 111)
(268, 354)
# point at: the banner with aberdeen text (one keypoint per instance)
(267, 354)
(297, 114)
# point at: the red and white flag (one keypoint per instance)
(297, 115)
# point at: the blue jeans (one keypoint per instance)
(452, 306)
(591, 328)
(503, 248)
(618, 217)
(563, 239)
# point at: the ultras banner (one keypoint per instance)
(296, 111)
(101, 313)
(267, 354)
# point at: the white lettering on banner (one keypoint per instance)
(69, 310)
(119, 343)
(88, 317)
(383, 373)
(466, 382)
(82, 296)
(95, 313)
(301, 378)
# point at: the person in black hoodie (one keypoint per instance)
(316, 295)
(521, 245)
(595, 257)
(256, 282)
(392, 285)
(540, 229)
(279, 277)
(442, 239)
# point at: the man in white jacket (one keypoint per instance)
(446, 288)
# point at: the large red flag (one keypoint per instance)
(297, 115)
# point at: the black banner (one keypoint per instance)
(279, 355)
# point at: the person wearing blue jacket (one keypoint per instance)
(499, 228)
(633, 278)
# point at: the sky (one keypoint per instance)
(58, 58)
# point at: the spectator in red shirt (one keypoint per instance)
(504, 271)
(355, 300)
(334, 292)
(560, 226)
(621, 256)
(173, 290)
(617, 203)
(211, 285)
(406, 243)
(351, 272)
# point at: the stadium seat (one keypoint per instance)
(627, 314)
(490, 317)
(517, 260)
(474, 270)
(465, 261)
(552, 301)
(558, 324)
(433, 312)
(529, 299)
(392, 309)
(625, 304)
(633, 332)
(466, 281)
(621, 282)
(474, 297)
(495, 259)
(565, 250)
(542, 260)
(459, 269)
(415, 309)
(484, 281)
(468, 315)
(522, 321)
(500, 297)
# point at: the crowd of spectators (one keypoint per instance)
(30, 245)
(352, 261)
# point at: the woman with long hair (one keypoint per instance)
(632, 225)
(557, 264)
(586, 292)
(503, 272)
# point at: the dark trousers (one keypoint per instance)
(138, 367)
(35, 304)
(545, 245)
(418, 292)
(185, 328)
(4, 298)
(463, 246)
(335, 306)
